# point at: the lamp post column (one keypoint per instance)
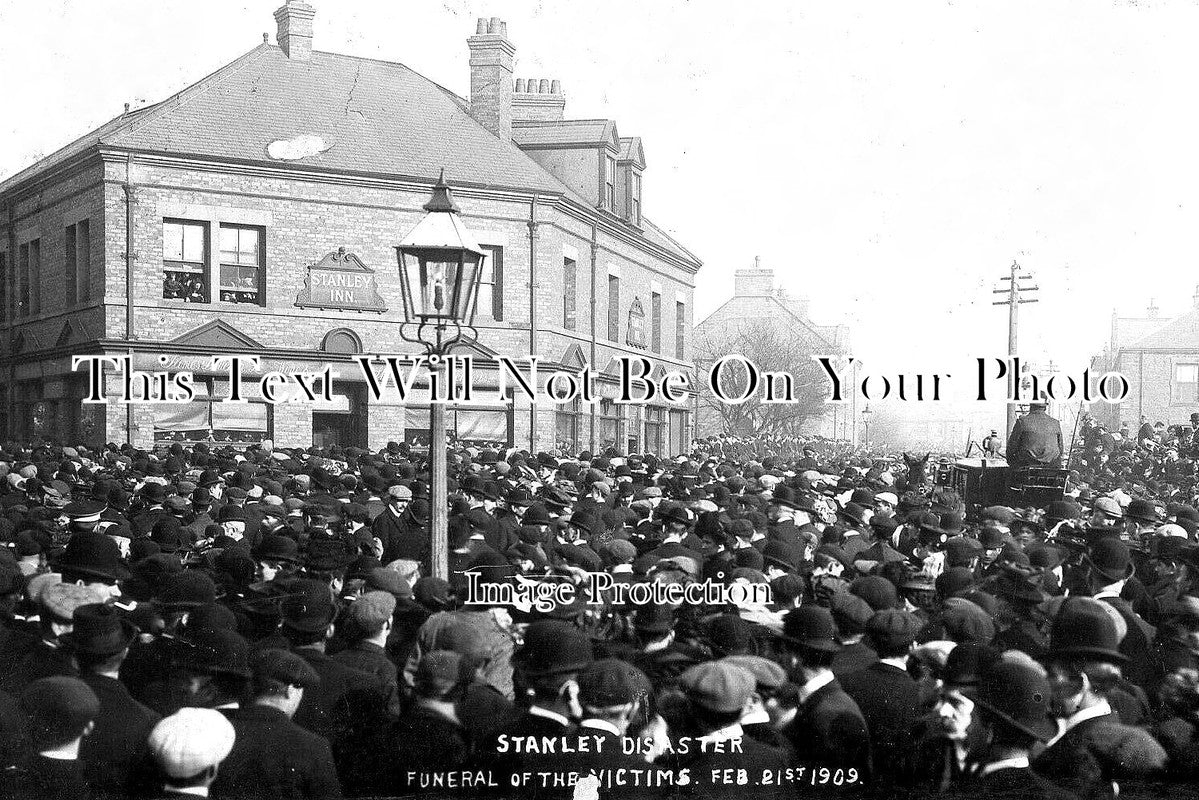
(439, 551)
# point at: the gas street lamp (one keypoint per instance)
(440, 265)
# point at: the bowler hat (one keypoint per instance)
(309, 608)
(1111, 558)
(612, 682)
(92, 555)
(1016, 695)
(654, 619)
(1142, 511)
(99, 630)
(812, 627)
(277, 548)
(1080, 631)
(552, 647)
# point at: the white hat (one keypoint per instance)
(190, 741)
(887, 497)
(1172, 530)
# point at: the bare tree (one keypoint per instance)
(771, 347)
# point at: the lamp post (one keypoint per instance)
(440, 265)
(866, 412)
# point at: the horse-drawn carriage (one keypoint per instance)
(992, 482)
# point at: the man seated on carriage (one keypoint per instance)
(1036, 439)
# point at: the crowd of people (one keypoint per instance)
(265, 622)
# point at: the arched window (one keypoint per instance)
(342, 340)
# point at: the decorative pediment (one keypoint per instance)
(73, 332)
(636, 334)
(573, 358)
(218, 335)
(25, 342)
(474, 349)
(340, 280)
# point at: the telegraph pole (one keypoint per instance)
(1013, 291)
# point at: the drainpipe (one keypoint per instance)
(130, 329)
(594, 260)
(10, 395)
(532, 223)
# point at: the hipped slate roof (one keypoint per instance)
(375, 117)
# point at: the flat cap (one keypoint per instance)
(388, 580)
(61, 599)
(966, 622)
(59, 703)
(892, 628)
(438, 671)
(1001, 514)
(399, 492)
(718, 686)
(285, 667)
(190, 741)
(370, 611)
(767, 674)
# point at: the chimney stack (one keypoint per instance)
(295, 29)
(491, 60)
(753, 282)
(538, 100)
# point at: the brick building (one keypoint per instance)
(1159, 356)
(257, 212)
(759, 309)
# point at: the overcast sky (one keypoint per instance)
(887, 159)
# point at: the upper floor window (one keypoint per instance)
(242, 264)
(635, 198)
(614, 308)
(184, 260)
(77, 267)
(569, 279)
(29, 268)
(680, 329)
(610, 183)
(655, 321)
(490, 299)
(1186, 383)
(3, 287)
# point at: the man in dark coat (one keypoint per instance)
(717, 693)
(887, 694)
(272, 757)
(401, 535)
(1093, 748)
(828, 729)
(552, 655)
(612, 693)
(1035, 439)
(370, 617)
(348, 704)
(1013, 708)
(115, 751)
(429, 738)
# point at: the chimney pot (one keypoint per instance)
(544, 86)
(555, 87)
(504, 29)
(491, 86)
(126, 108)
(520, 84)
(294, 20)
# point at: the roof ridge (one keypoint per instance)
(192, 91)
(646, 221)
